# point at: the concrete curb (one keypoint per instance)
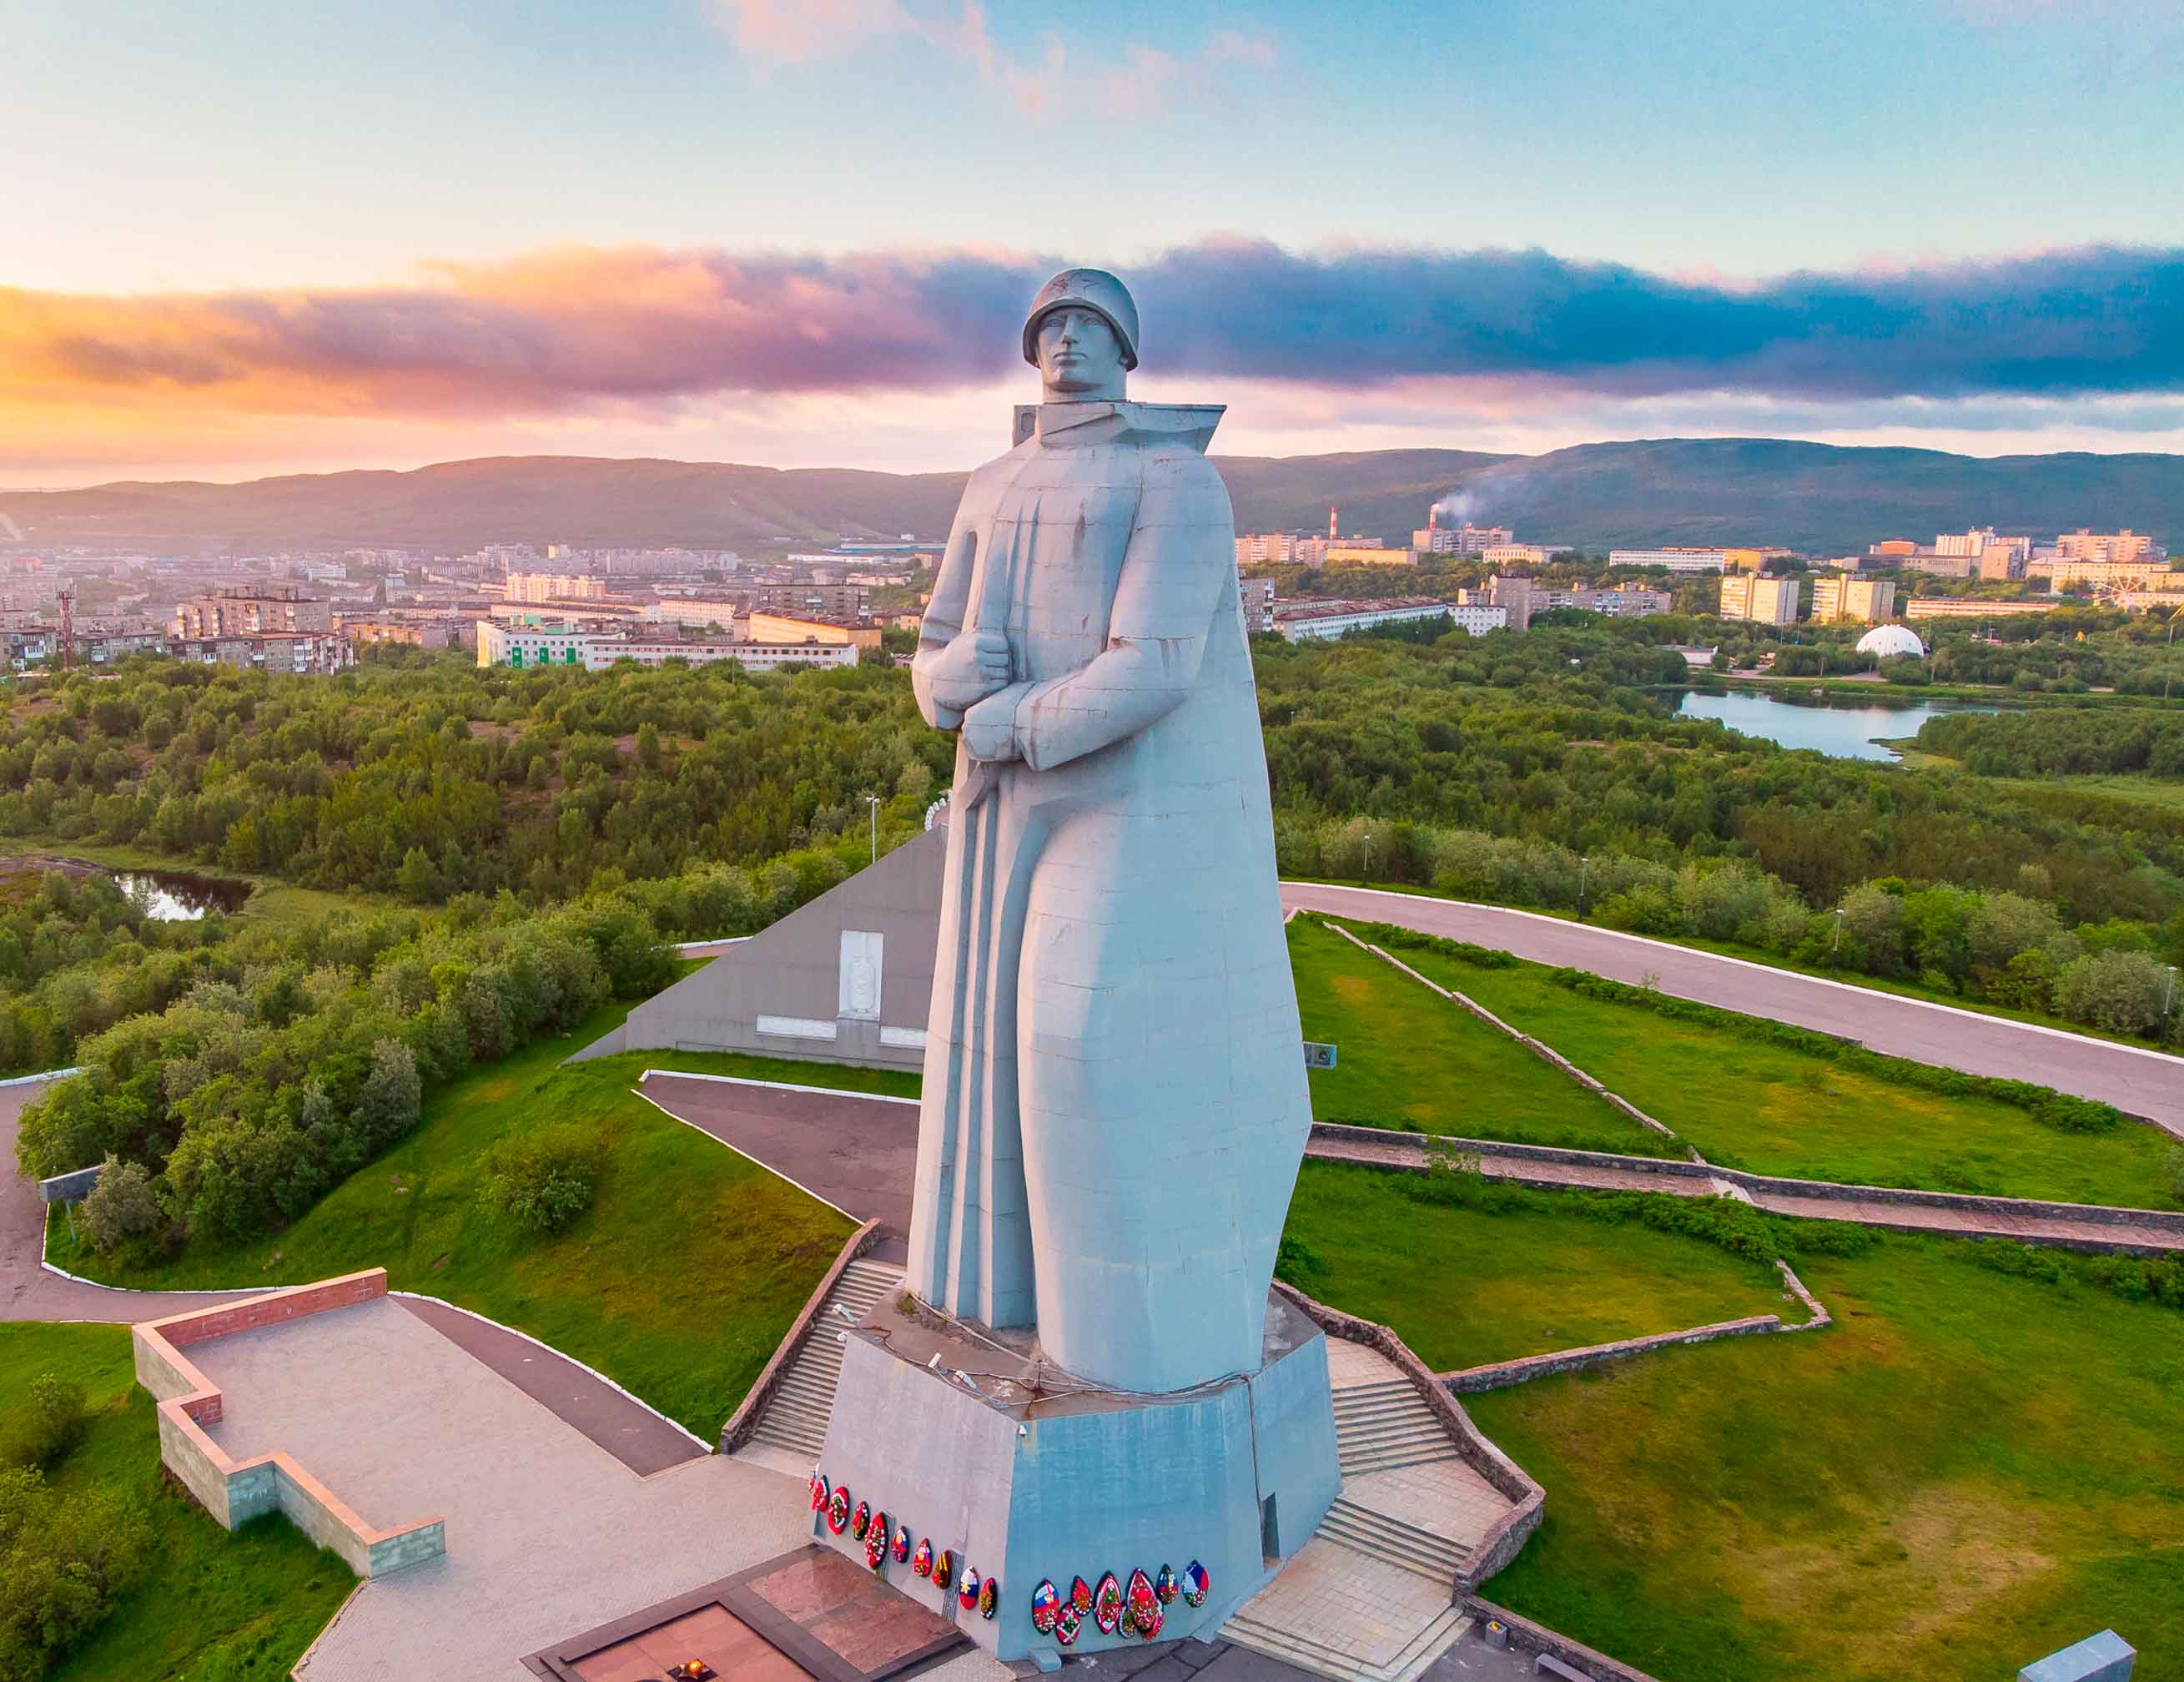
(776, 1085)
(767, 1168)
(1538, 1048)
(49, 1074)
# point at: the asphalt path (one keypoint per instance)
(633, 1433)
(27, 1290)
(2139, 1082)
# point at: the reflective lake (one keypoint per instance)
(1842, 726)
(169, 895)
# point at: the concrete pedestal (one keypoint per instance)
(1034, 1477)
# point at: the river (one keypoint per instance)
(1842, 726)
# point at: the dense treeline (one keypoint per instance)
(2056, 742)
(296, 1055)
(430, 778)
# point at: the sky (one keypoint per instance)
(272, 238)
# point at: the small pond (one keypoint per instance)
(168, 895)
(1843, 725)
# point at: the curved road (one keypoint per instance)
(2142, 1082)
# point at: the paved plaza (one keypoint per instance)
(548, 1532)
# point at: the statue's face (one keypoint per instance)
(1079, 357)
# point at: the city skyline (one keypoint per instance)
(387, 239)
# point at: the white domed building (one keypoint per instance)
(1891, 642)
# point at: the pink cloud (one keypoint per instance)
(1056, 81)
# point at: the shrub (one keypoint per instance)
(540, 1180)
(45, 1428)
(121, 1206)
(62, 1562)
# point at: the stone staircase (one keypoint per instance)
(794, 1422)
(1385, 1537)
(1371, 1597)
(1385, 1424)
(1418, 1634)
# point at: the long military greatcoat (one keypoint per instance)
(1114, 1103)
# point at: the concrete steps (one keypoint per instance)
(1380, 1426)
(1339, 1664)
(1393, 1539)
(795, 1422)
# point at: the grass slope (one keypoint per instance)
(677, 1282)
(1464, 1289)
(1408, 1059)
(221, 1607)
(1968, 1472)
(1775, 1110)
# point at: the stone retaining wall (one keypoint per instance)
(1502, 1542)
(1500, 1375)
(744, 1420)
(1960, 1202)
(234, 1492)
(1526, 1636)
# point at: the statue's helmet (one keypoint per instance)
(1092, 289)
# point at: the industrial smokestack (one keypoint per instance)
(1330, 523)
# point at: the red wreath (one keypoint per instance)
(837, 1509)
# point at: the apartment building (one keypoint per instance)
(1678, 560)
(252, 611)
(1866, 601)
(1764, 601)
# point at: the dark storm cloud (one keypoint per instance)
(562, 330)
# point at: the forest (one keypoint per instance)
(522, 843)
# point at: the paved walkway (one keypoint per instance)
(547, 1534)
(27, 1290)
(2143, 1082)
(1627, 1173)
(621, 1424)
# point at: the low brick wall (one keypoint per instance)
(237, 1491)
(1500, 1375)
(1501, 1543)
(1528, 1637)
(744, 1420)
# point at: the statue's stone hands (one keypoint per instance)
(971, 668)
(990, 727)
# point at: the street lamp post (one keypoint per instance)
(2168, 1000)
(1835, 948)
(1368, 855)
(1583, 865)
(873, 801)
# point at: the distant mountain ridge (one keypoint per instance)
(1819, 499)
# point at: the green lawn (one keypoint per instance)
(1463, 1289)
(1968, 1472)
(1408, 1059)
(1777, 960)
(212, 1606)
(677, 1282)
(1777, 1110)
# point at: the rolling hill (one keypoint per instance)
(1815, 498)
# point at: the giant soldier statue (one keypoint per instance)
(1114, 1104)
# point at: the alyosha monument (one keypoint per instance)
(1089, 1422)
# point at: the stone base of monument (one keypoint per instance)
(988, 1463)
